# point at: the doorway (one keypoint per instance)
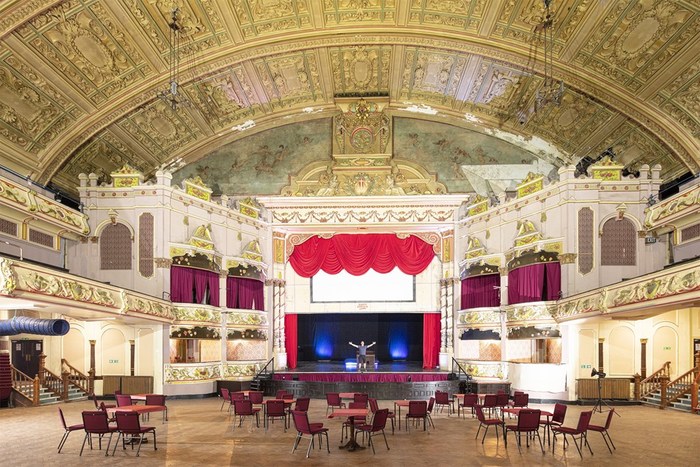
(25, 356)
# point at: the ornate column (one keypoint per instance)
(643, 368)
(132, 356)
(601, 355)
(278, 309)
(447, 298)
(91, 371)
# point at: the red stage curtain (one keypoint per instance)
(480, 291)
(358, 253)
(290, 340)
(553, 282)
(431, 339)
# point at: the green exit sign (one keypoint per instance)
(667, 347)
(585, 366)
(114, 361)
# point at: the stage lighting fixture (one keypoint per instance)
(597, 373)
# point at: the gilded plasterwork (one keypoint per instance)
(672, 208)
(356, 11)
(241, 370)
(182, 373)
(458, 14)
(197, 314)
(264, 17)
(361, 69)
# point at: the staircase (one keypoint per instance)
(75, 394)
(46, 397)
(681, 394)
(684, 404)
(49, 388)
(259, 382)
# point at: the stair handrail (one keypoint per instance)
(680, 386)
(75, 376)
(652, 382)
(264, 369)
(51, 381)
(694, 392)
(22, 383)
(461, 369)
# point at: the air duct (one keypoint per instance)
(44, 327)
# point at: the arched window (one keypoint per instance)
(115, 247)
(618, 244)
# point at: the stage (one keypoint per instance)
(390, 380)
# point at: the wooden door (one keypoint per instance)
(25, 356)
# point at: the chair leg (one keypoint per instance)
(607, 435)
(311, 443)
(63, 441)
(540, 440)
(108, 444)
(296, 442)
(584, 437)
(486, 431)
(83, 446)
(576, 444)
(478, 430)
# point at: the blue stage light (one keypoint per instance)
(324, 347)
(398, 341)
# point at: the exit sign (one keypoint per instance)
(667, 347)
(114, 361)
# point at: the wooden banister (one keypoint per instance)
(653, 382)
(694, 392)
(76, 377)
(26, 385)
(682, 385)
(51, 381)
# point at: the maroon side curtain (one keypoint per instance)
(232, 292)
(553, 282)
(358, 253)
(181, 280)
(213, 280)
(245, 294)
(534, 283)
(480, 291)
(290, 339)
(431, 340)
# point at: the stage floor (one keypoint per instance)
(382, 367)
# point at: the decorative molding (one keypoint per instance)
(191, 372)
(485, 318)
(241, 370)
(683, 204)
(531, 313)
(8, 279)
(245, 318)
(567, 258)
(531, 184)
(196, 314)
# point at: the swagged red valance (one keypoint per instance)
(358, 253)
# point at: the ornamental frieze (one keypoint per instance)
(526, 313)
(61, 287)
(8, 279)
(480, 318)
(147, 306)
(659, 287)
(241, 370)
(486, 370)
(246, 319)
(672, 208)
(197, 314)
(362, 216)
(181, 373)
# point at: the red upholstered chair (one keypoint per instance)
(417, 410)
(486, 422)
(374, 407)
(237, 396)
(303, 427)
(103, 408)
(256, 397)
(520, 400)
(302, 404)
(361, 397)
(501, 401)
(356, 420)
(557, 418)
(377, 426)
(442, 400)
(333, 401)
(528, 423)
(280, 393)
(68, 430)
(580, 431)
(490, 403)
(287, 396)
(159, 400)
(244, 408)
(97, 404)
(431, 406)
(470, 401)
(128, 425)
(123, 400)
(95, 424)
(603, 430)
(226, 396)
(275, 410)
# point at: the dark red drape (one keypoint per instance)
(431, 340)
(553, 282)
(480, 291)
(290, 339)
(181, 280)
(214, 292)
(201, 279)
(358, 253)
(534, 283)
(245, 294)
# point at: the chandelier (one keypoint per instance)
(551, 90)
(172, 95)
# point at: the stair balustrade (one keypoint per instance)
(26, 385)
(75, 377)
(652, 383)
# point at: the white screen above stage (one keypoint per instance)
(394, 286)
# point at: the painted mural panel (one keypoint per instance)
(260, 164)
(465, 160)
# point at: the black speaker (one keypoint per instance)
(452, 376)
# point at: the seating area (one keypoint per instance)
(465, 436)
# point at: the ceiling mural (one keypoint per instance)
(79, 81)
(260, 164)
(465, 160)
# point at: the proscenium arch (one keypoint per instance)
(679, 142)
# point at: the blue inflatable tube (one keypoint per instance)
(44, 327)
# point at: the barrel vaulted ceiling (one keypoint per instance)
(79, 78)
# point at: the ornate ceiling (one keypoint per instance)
(79, 79)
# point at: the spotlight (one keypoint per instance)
(597, 373)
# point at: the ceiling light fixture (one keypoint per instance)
(172, 95)
(551, 90)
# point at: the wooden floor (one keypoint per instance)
(199, 434)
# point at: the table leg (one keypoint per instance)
(351, 445)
